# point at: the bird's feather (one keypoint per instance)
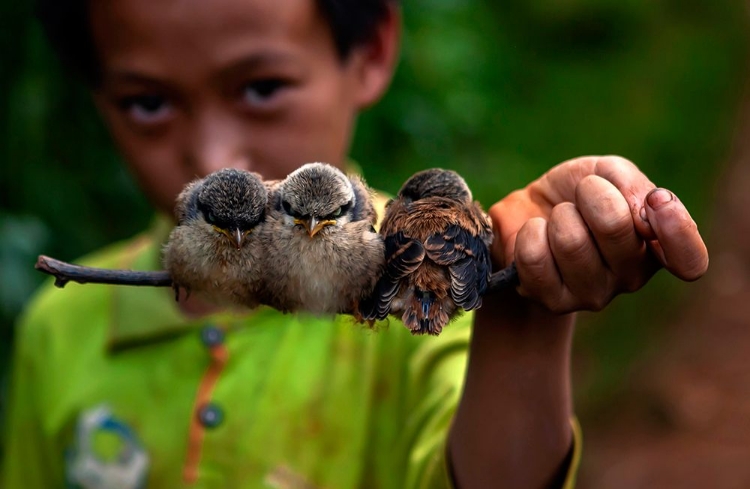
(468, 262)
(364, 209)
(437, 253)
(404, 256)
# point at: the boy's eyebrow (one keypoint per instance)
(126, 76)
(265, 59)
(262, 60)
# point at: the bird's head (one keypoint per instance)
(315, 196)
(436, 182)
(232, 202)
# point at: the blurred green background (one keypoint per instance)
(499, 91)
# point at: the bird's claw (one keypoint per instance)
(176, 287)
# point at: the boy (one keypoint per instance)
(117, 387)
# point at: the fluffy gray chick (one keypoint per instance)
(322, 252)
(214, 250)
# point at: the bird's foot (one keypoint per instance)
(359, 317)
(177, 287)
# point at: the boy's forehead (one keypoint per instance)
(128, 32)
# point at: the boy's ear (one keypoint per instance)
(375, 62)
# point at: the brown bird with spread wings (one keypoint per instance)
(437, 243)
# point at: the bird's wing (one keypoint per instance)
(403, 257)
(185, 205)
(273, 207)
(364, 210)
(272, 185)
(463, 248)
(483, 223)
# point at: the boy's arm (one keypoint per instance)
(579, 235)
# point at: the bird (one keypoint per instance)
(437, 241)
(213, 250)
(322, 253)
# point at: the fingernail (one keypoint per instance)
(658, 197)
(644, 216)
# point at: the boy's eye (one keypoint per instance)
(147, 109)
(259, 92)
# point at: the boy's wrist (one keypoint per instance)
(518, 385)
(522, 323)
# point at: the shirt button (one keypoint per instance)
(212, 336)
(210, 415)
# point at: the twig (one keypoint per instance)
(66, 272)
(507, 277)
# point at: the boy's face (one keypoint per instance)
(191, 86)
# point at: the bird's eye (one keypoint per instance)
(343, 209)
(287, 207)
(210, 217)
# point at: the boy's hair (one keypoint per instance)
(66, 24)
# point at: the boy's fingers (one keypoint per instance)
(680, 246)
(584, 273)
(537, 272)
(508, 216)
(609, 218)
(561, 182)
(632, 184)
(660, 217)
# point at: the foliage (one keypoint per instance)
(499, 91)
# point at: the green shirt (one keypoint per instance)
(115, 387)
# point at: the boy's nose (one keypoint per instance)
(210, 161)
(215, 145)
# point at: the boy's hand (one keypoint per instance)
(587, 230)
(591, 228)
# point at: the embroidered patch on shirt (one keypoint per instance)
(105, 454)
(282, 477)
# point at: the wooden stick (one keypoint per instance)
(65, 272)
(507, 277)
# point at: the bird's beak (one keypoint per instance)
(236, 236)
(314, 226)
